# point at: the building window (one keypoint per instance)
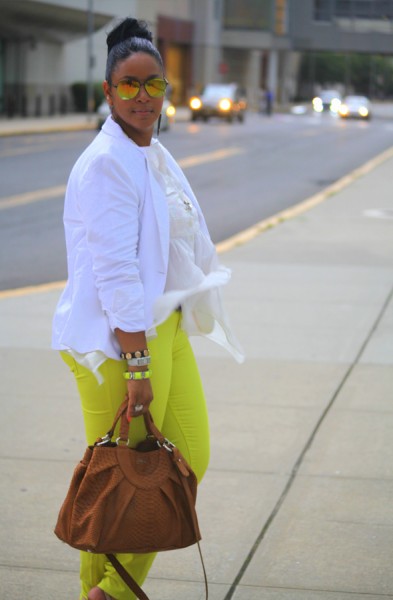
(365, 9)
(248, 14)
(323, 10)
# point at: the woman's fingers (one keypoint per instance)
(140, 396)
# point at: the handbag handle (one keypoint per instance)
(121, 416)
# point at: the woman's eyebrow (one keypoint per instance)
(131, 77)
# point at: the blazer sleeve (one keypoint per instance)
(109, 204)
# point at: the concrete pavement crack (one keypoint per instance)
(305, 449)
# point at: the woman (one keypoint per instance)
(142, 276)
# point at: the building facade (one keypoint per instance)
(342, 26)
(46, 46)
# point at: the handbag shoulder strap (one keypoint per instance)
(130, 581)
(132, 584)
(196, 531)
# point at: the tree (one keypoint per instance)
(366, 74)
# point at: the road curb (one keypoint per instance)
(248, 234)
(41, 288)
(37, 127)
(50, 129)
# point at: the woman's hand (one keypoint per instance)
(139, 391)
(140, 395)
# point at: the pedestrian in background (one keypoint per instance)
(269, 102)
(143, 276)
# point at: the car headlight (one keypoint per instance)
(317, 104)
(335, 105)
(363, 111)
(225, 104)
(195, 103)
(343, 110)
(170, 111)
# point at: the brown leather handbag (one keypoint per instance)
(130, 500)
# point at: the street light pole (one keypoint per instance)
(90, 59)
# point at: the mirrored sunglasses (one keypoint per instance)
(129, 88)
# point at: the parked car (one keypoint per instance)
(327, 100)
(167, 115)
(224, 100)
(355, 107)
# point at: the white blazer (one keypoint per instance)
(117, 236)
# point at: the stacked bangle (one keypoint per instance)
(139, 362)
(136, 354)
(137, 374)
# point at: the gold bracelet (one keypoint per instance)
(136, 354)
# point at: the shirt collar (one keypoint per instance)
(110, 127)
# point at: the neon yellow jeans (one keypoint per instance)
(179, 411)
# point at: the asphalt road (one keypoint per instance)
(241, 174)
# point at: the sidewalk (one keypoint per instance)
(57, 123)
(80, 122)
(297, 503)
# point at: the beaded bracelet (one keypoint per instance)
(137, 374)
(136, 354)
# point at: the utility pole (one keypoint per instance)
(90, 59)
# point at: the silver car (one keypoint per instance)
(327, 100)
(224, 100)
(355, 107)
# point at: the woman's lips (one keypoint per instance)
(143, 111)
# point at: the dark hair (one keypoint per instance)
(127, 38)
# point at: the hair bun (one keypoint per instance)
(129, 28)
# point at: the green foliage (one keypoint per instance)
(329, 67)
(98, 94)
(79, 95)
(363, 73)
